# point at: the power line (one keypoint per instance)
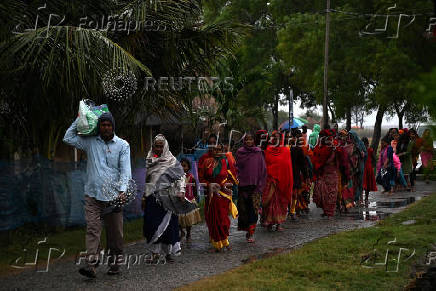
(353, 15)
(381, 15)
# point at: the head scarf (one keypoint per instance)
(313, 137)
(156, 166)
(326, 132)
(280, 141)
(279, 168)
(316, 129)
(251, 167)
(261, 139)
(403, 143)
(357, 141)
(385, 140)
(343, 132)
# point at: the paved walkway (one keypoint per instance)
(197, 263)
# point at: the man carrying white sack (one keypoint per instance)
(108, 162)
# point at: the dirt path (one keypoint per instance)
(196, 262)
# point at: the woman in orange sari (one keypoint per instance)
(218, 176)
(278, 191)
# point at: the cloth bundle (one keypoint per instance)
(88, 117)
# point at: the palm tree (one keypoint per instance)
(46, 69)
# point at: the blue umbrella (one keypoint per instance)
(297, 123)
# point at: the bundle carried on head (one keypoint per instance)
(88, 117)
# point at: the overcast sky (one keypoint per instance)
(369, 120)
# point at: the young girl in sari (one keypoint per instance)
(186, 221)
(250, 164)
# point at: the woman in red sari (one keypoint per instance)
(369, 184)
(215, 171)
(278, 191)
(325, 166)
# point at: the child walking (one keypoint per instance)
(186, 221)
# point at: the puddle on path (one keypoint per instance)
(398, 202)
(371, 215)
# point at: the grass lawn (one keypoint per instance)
(72, 240)
(336, 261)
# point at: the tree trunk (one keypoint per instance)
(332, 113)
(377, 128)
(361, 121)
(400, 119)
(275, 112)
(348, 115)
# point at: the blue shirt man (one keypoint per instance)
(108, 163)
(108, 171)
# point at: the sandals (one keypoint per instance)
(88, 271)
(114, 270)
(169, 259)
(249, 238)
(279, 228)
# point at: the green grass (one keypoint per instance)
(335, 261)
(72, 240)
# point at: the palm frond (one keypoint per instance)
(72, 55)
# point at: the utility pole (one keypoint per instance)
(291, 108)
(325, 114)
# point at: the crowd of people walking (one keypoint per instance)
(274, 175)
